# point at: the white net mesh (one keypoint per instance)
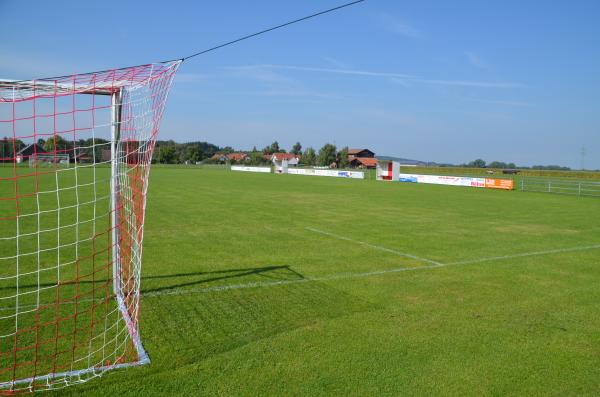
(71, 237)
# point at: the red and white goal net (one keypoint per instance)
(74, 162)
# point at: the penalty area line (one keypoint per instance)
(377, 247)
(524, 255)
(346, 276)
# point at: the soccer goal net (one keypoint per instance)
(49, 160)
(71, 237)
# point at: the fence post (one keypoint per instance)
(579, 191)
(549, 186)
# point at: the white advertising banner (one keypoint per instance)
(250, 169)
(443, 180)
(334, 173)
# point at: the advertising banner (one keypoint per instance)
(443, 180)
(409, 178)
(334, 173)
(250, 169)
(506, 184)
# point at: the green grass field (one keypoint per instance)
(263, 284)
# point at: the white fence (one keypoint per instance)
(561, 186)
(243, 168)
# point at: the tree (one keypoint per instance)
(297, 149)
(256, 158)
(497, 164)
(167, 155)
(309, 157)
(62, 145)
(479, 163)
(275, 147)
(192, 154)
(342, 157)
(267, 150)
(327, 155)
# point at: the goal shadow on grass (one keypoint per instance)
(246, 275)
(160, 283)
(189, 332)
(190, 328)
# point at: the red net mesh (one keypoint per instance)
(75, 153)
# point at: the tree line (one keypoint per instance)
(171, 152)
(88, 149)
(480, 163)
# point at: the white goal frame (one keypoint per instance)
(131, 111)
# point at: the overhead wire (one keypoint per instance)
(228, 43)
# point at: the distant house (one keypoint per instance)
(106, 155)
(363, 162)
(83, 157)
(360, 153)
(28, 151)
(278, 158)
(221, 157)
(238, 157)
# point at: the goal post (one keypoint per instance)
(72, 222)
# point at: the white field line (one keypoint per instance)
(526, 254)
(377, 247)
(262, 284)
(344, 276)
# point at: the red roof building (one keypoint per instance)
(237, 157)
(363, 162)
(277, 158)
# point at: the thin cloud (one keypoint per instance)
(476, 84)
(401, 82)
(323, 70)
(191, 78)
(406, 78)
(278, 85)
(264, 74)
(394, 25)
(501, 102)
(475, 60)
(336, 62)
(300, 93)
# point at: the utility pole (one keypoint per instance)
(583, 158)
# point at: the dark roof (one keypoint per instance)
(357, 151)
(31, 149)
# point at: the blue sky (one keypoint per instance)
(431, 80)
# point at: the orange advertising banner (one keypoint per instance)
(506, 184)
